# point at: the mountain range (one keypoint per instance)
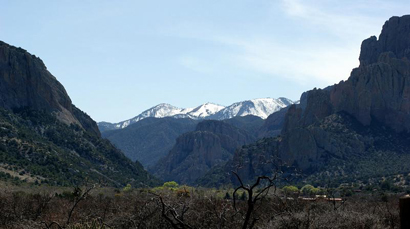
(355, 131)
(151, 139)
(150, 136)
(256, 107)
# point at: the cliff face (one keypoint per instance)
(36, 137)
(25, 82)
(150, 139)
(273, 124)
(394, 38)
(377, 91)
(212, 143)
(380, 88)
(355, 122)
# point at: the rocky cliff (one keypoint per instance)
(377, 91)
(394, 38)
(212, 143)
(44, 138)
(355, 129)
(150, 139)
(273, 124)
(25, 82)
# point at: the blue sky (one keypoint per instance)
(118, 58)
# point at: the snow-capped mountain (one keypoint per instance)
(159, 111)
(205, 110)
(258, 107)
(166, 110)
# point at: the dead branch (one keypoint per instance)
(177, 221)
(83, 196)
(251, 198)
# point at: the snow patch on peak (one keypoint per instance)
(159, 111)
(205, 110)
(258, 107)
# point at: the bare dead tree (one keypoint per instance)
(81, 197)
(171, 215)
(253, 196)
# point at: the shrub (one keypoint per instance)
(290, 189)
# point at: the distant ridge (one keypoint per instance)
(257, 107)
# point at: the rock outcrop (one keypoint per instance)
(393, 38)
(273, 124)
(43, 135)
(377, 91)
(212, 143)
(352, 122)
(150, 139)
(25, 82)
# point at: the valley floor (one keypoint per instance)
(187, 207)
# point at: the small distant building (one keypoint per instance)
(335, 199)
(320, 198)
(307, 199)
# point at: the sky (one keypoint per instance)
(119, 58)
